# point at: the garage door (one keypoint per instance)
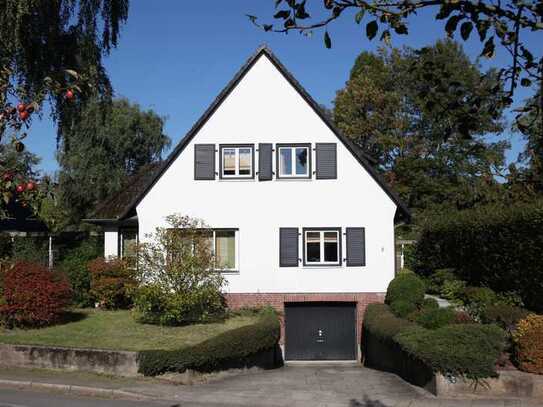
(320, 331)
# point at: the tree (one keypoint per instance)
(179, 282)
(505, 22)
(51, 51)
(414, 135)
(104, 148)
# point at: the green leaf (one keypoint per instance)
(267, 27)
(489, 48)
(371, 29)
(401, 29)
(284, 14)
(482, 28)
(385, 37)
(451, 25)
(525, 82)
(359, 16)
(465, 30)
(72, 73)
(327, 40)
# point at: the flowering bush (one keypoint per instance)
(112, 283)
(32, 295)
(528, 344)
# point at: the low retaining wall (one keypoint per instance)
(389, 357)
(510, 383)
(117, 363)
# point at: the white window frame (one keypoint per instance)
(321, 231)
(293, 148)
(236, 148)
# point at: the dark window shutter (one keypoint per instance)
(356, 247)
(204, 161)
(326, 160)
(288, 247)
(265, 161)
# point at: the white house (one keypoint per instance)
(301, 220)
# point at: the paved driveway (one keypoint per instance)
(312, 386)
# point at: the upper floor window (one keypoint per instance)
(237, 161)
(294, 160)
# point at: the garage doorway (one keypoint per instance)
(320, 331)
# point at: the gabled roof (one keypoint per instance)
(402, 211)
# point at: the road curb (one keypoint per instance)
(74, 390)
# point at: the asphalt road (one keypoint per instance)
(23, 398)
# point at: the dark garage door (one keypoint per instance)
(320, 331)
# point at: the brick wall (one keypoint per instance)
(277, 301)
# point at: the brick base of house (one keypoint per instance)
(278, 300)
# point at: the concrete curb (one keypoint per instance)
(75, 390)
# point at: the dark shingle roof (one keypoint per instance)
(358, 153)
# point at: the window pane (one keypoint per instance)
(313, 247)
(301, 161)
(225, 249)
(285, 161)
(245, 161)
(229, 161)
(331, 246)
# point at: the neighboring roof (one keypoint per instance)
(113, 208)
(358, 153)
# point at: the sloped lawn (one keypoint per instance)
(118, 330)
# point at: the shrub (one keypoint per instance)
(469, 350)
(406, 287)
(30, 249)
(235, 348)
(402, 308)
(462, 317)
(438, 278)
(183, 286)
(33, 296)
(429, 303)
(433, 318)
(477, 299)
(74, 265)
(112, 283)
(504, 315)
(495, 247)
(452, 290)
(381, 322)
(528, 344)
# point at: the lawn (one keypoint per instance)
(118, 330)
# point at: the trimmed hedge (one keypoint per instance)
(496, 247)
(240, 347)
(407, 287)
(469, 350)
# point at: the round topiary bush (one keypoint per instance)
(403, 308)
(33, 295)
(528, 344)
(406, 287)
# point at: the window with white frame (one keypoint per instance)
(294, 161)
(322, 247)
(237, 161)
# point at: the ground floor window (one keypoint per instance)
(128, 242)
(322, 246)
(225, 249)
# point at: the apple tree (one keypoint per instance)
(50, 53)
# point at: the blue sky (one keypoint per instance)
(175, 56)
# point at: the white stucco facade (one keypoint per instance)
(265, 108)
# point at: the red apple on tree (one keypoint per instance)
(23, 115)
(69, 94)
(30, 186)
(20, 188)
(21, 107)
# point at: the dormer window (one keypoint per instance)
(237, 161)
(294, 160)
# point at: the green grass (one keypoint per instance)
(118, 330)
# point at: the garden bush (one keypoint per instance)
(495, 247)
(477, 299)
(182, 288)
(429, 303)
(433, 318)
(112, 283)
(32, 295)
(528, 344)
(468, 350)
(403, 308)
(239, 347)
(406, 287)
(436, 280)
(75, 266)
(505, 315)
(453, 290)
